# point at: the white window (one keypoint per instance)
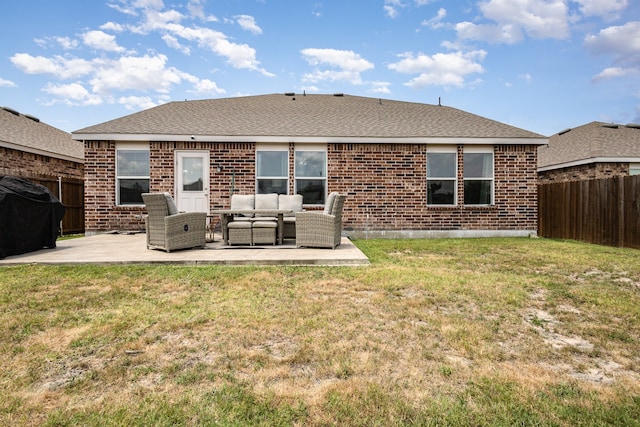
(272, 169)
(132, 173)
(311, 174)
(478, 175)
(442, 172)
(634, 168)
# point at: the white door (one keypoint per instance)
(192, 181)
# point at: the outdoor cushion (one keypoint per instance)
(267, 201)
(329, 205)
(292, 202)
(239, 224)
(171, 204)
(265, 224)
(242, 202)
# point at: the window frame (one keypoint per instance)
(313, 148)
(479, 150)
(282, 148)
(634, 168)
(442, 150)
(123, 147)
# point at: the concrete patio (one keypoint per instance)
(123, 248)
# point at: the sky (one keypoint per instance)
(541, 65)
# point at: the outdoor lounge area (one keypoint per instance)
(188, 238)
(130, 248)
(260, 219)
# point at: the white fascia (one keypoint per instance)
(590, 161)
(311, 139)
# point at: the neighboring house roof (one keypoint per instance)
(595, 142)
(306, 118)
(27, 133)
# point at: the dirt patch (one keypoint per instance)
(576, 362)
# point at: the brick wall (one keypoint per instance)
(584, 172)
(385, 184)
(29, 165)
(386, 188)
(236, 162)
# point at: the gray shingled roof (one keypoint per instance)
(26, 133)
(302, 115)
(593, 141)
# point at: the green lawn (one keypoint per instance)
(435, 332)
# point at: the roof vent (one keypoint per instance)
(610, 126)
(633, 125)
(289, 93)
(30, 117)
(562, 132)
(338, 94)
(11, 110)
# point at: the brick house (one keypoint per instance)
(591, 151)
(45, 155)
(408, 169)
(32, 149)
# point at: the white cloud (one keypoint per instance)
(390, 11)
(174, 43)
(622, 43)
(168, 23)
(101, 41)
(61, 67)
(391, 8)
(345, 59)
(510, 19)
(139, 73)
(347, 65)
(6, 83)
(196, 10)
(436, 21)
(206, 86)
(441, 69)
(507, 33)
(615, 72)
(237, 55)
(116, 69)
(248, 23)
(380, 87)
(608, 9)
(67, 43)
(73, 94)
(526, 77)
(136, 102)
(158, 21)
(122, 6)
(112, 26)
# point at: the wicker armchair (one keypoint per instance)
(321, 229)
(168, 229)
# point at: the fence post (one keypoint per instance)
(60, 199)
(621, 215)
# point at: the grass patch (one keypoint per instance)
(434, 332)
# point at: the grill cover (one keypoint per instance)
(30, 216)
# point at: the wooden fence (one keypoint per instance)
(600, 211)
(70, 192)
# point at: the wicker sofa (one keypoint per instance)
(263, 229)
(321, 229)
(170, 230)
